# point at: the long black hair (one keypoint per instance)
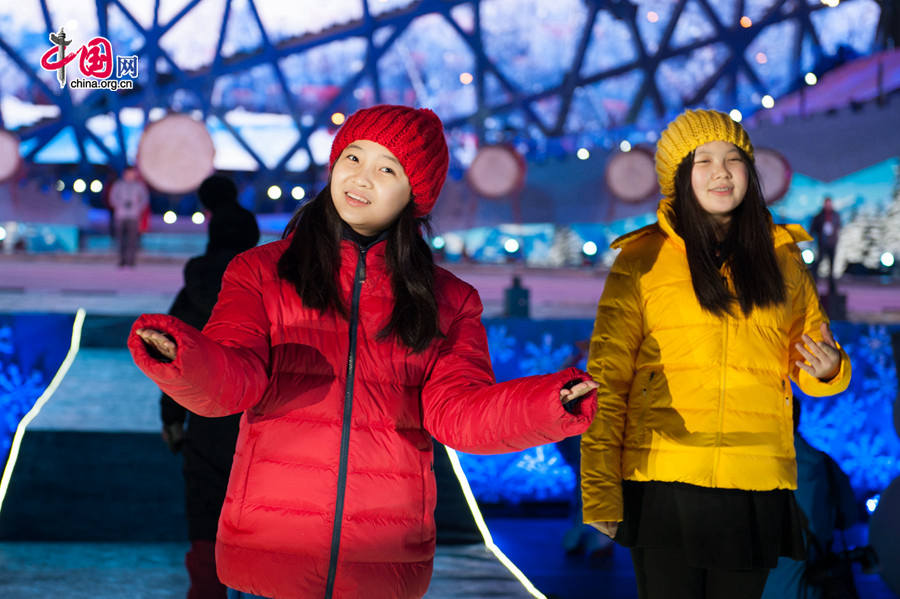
(312, 260)
(746, 248)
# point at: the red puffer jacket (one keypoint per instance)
(332, 492)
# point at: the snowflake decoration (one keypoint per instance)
(17, 396)
(501, 344)
(544, 358)
(6, 344)
(856, 427)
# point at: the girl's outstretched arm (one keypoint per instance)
(223, 370)
(812, 347)
(465, 409)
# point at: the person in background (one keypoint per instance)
(516, 299)
(129, 199)
(219, 195)
(826, 228)
(206, 443)
(828, 503)
(704, 319)
(346, 349)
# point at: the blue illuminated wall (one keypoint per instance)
(855, 427)
(32, 348)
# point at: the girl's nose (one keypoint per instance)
(362, 178)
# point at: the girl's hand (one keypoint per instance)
(607, 528)
(158, 343)
(567, 394)
(823, 359)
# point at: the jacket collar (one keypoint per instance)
(361, 241)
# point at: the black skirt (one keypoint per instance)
(716, 528)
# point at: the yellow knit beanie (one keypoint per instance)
(691, 129)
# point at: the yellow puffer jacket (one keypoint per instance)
(687, 396)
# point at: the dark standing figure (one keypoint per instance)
(207, 443)
(219, 195)
(129, 198)
(827, 500)
(516, 299)
(826, 227)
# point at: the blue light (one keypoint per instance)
(872, 503)
(438, 242)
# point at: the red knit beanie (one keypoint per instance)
(414, 136)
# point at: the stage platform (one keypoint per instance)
(66, 282)
(156, 571)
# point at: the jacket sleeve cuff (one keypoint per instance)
(583, 408)
(611, 510)
(162, 372)
(819, 388)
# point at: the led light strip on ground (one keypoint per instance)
(44, 398)
(483, 529)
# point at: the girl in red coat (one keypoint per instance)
(346, 349)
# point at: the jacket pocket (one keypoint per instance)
(429, 498)
(646, 398)
(637, 432)
(242, 470)
(787, 416)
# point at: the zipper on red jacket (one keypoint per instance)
(358, 279)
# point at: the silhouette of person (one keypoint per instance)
(207, 443)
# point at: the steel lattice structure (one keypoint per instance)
(546, 76)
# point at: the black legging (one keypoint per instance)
(825, 251)
(663, 573)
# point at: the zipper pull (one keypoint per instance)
(361, 268)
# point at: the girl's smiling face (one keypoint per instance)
(719, 179)
(369, 187)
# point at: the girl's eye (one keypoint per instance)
(388, 170)
(701, 161)
(352, 157)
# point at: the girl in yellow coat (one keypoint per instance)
(705, 318)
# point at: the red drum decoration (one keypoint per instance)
(774, 173)
(497, 171)
(175, 154)
(631, 176)
(9, 155)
